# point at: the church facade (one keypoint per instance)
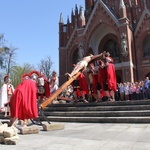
(120, 27)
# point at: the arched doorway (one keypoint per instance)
(109, 43)
(111, 46)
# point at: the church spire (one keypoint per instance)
(81, 17)
(68, 21)
(76, 9)
(72, 13)
(61, 18)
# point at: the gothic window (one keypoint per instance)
(146, 47)
(64, 29)
(111, 46)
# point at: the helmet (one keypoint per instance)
(25, 76)
(34, 74)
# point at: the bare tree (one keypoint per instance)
(7, 55)
(2, 49)
(10, 55)
(46, 66)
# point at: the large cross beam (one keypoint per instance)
(58, 91)
(64, 86)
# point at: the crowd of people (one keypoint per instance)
(133, 91)
(126, 91)
(97, 78)
(95, 83)
(23, 101)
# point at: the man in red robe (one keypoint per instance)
(111, 77)
(94, 84)
(83, 86)
(102, 78)
(23, 103)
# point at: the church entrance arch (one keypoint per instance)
(109, 43)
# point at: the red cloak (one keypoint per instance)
(83, 84)
(111, 77)
(95, 82)
(23, 103)
(102, 77)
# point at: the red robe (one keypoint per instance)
(23, 103)
(47, 89)
(102, 77)
(83, 84)
(95, 82)
(111, 77)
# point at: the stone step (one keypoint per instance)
(100, 119)
(104, 103)
(100, 113)
(99, 108)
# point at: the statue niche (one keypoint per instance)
(80, 51)
(124, 45)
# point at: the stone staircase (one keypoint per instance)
(102, 112)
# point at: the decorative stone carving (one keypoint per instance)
(124, 45)
(81, 51)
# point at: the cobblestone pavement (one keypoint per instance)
(87, 136)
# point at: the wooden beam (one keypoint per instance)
(64, 86)
(64, 98)
(58, 91)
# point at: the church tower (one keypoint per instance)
(121, 27)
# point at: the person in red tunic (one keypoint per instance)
(80, 87)
(111, 77)
(95, 86)
(83, 86)
(76, 89)
(23, 103)
(102, 78)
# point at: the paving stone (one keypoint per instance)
(51, 127)
(1, 139)
(29, 130)
(2, 127)
(11, 141)
(10, 131)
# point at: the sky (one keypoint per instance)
(32, 26)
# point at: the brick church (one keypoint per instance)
(120, 27)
